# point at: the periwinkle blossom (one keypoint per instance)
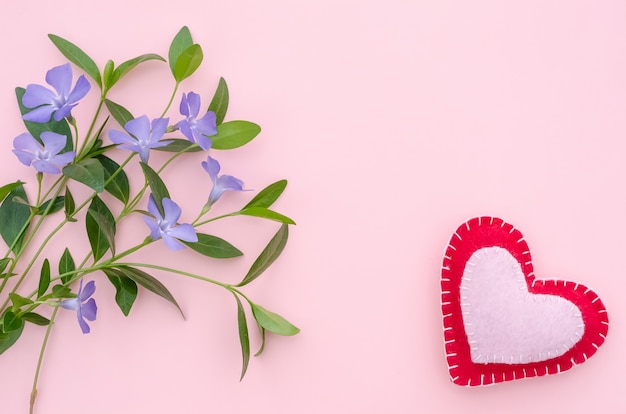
(48, 103)
(143, 136)
(221, 183)
(83, 304)
(46, 158)
(167, 227)
(196, 130)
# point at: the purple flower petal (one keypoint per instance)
(44, 166)
(62, 112)
(203, 141)
(40, 115)
(172, 243)
(118, 137)
(81, 89)
(184, 232)
(53, 142)
(154, 228)
(184, 106)
(60, 78)
(211, 166)
(81, 322)
(193, 100)
(24, 157)
(152, 208)
(171, 210)
(89, 310)
(139, 128)
(159, 126)
(26, 142)
(36, 95)
(87, 291)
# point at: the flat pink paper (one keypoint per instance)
(393, 122)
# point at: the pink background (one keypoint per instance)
(394, 122)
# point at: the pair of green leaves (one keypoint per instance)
(125, 280)
(111, 74)
(265, 319)
(101, 173)
(184, 56)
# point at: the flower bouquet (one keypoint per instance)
(64, 159)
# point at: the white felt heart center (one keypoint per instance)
(505, 323)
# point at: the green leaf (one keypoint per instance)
(234, 134)
(4, 263)
(66, 265)
(9, 338)
(75, 55)
(44, 278)
(213, 246)
(149, 282)
(181, 41)
(107, 77)
(179, 145)
(36, 318)
(188, 62)
(89, 172)
(118, 187)
(95, 147)
(266, 214)
(272, 321)
(19, 301)
(271, 252)
(244, 340)
(11, 322)
(14, 217)
(219, 103)
(100, 225)
(125, 289)
(268, 195)
(262, 347)
(70, 206)
(57, 205)
(157, 186)
(127, 66)
(36, 128)
(62, 292)
(118, 112)
(6, 189)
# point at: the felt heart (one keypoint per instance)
(500, 322)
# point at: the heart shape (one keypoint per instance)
(500, 322)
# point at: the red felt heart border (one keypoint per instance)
(481, 232)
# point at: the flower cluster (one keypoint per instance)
(54, 146)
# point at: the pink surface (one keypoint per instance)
(393, 125)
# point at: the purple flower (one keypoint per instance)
(48, 102)
(141, 138)
(167, 227)
(84, 306)
(46, 158)
(196, 130)
(220, 183)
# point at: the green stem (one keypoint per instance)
(33, 394)
(171, 100)
(180, 272)
(91, 127)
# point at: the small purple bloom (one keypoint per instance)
(167, 227)
(196, 130)
(47, 102)
(46, 158)
(220, 183)
(84, 306)
(142, 138)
